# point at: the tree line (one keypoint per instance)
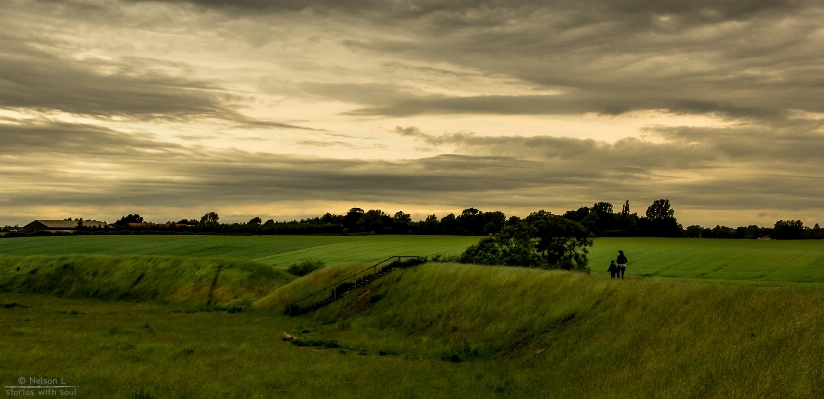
(599, 220)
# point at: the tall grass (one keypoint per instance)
(586, 335)
(141, 278)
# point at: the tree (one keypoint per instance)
(540, 240)
(375, 220)
(562, 242)
(625, 209)
(209, 218)
(660, 221)
(494, 222)
(660, 209)
(602, 209)
(448, 224)
(130, 218)
(255, 221)
(352, 217)
(788, 229)
(401, 217)
(693, 231)
(400, 223)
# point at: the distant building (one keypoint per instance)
(150, 224)
(61, 225)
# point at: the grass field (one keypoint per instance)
(438, 330)
(748, 260)
(280, 251)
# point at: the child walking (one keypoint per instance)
(613, 269)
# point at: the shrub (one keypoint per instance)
(541, 240)
(306, 266)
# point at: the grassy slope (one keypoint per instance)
(752, 260)
(183, 280)
(576, 335)
(106, 350)
(512, 331)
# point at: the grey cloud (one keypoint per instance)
(561, 104)
(33, 79)
(683, 149)
(562, 174)
(735, 59)
(41, 138)
(317, 143)
(360, 93)
(694, 11)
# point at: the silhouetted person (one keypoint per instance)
(622, 263)
(613, 269)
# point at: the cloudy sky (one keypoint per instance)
(287, 109)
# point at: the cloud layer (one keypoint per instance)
(166, 106)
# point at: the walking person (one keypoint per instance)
(613, 269)
(622, 263)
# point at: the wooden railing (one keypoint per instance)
(345, 285)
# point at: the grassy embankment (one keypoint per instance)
(748, 260)
(165, 279)
(438, 330)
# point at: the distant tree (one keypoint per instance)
(255, 221)
(401, 217)
(660, 221)
(352, 217)
(375, 220)
(401, 222)
(209, 218)
(470, 222)
(660, 209)
(602, 209)
(693, 231)
(493, 222)
(329, 218)
(578, 214)
(625, 209)
(448, 224)
(816, 232)
(788, 229)
(130, 218)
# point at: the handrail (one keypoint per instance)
(336, 283)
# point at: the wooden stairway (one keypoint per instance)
(342, 287)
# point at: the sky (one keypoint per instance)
(290, 109)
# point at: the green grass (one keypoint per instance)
(743, 260)
(170, 279)
(748, 260)
(642, 337)
(107, 350)
(445, 330)
(281, 251)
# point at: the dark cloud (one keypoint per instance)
(756, 65)
(131, 88)
(493, 172)
(35, 138)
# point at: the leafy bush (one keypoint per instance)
(306, 266)
(541, 240)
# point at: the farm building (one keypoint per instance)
(62, 225)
